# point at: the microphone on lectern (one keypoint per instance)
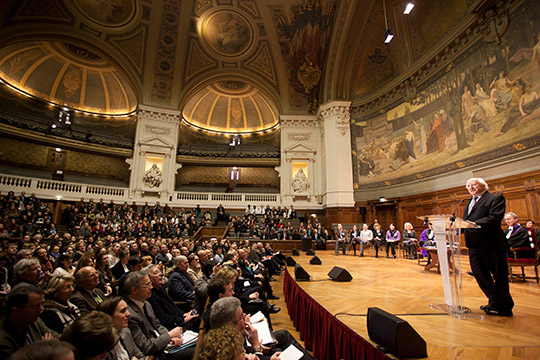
(453, 217)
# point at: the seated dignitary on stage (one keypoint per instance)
(168, 314)
(59, 312)
(180, 285)
(366, 237)
(227, 311)
(125, 348)
(354, 238)
(379, 238)
(534, 235)
(341, 239)
(87, 296)
(22, 324)
(392, 238)
(427, 238)
(151, 337)
(409, 240)
(517, 237)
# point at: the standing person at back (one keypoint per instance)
(487, 247)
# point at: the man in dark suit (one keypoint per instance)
(180, 286)
(151, 337)
(516, 235)
(87, 296)
(341, 239)
(487, 247)
(168, 314)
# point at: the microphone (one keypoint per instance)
(453, 217)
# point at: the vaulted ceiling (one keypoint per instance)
(215, 58)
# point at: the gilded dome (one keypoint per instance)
(231, 107)
(68, 75)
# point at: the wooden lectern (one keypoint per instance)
(447, 231)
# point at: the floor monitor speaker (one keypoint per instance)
(295, 252)
(290, 261)
(339, 274)
(315, 260)
(310, 252)
(300, 274)
(394, 335)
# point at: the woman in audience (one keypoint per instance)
(392, 238)
(63, 265)
(93, 335)
(104, 272)
(224, 343)
(194, 270)
(410, 242)
(117, 308)
(84, 261)
(58, 311)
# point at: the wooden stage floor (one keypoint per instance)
(402, 287)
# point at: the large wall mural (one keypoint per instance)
(484, 105)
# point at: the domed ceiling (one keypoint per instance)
(231, 107)
(67, 75)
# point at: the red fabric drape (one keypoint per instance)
(322, 333)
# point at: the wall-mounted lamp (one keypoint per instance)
(409, 5)
(382, 199)
(235, 174)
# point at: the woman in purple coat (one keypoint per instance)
(392, 238)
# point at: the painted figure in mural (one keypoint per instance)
(409, 144)
(365, 166)
(435, 141)
(153, 178)
(485, 101)
(466, 102)
(232, 33)
(477, 119)
(507, 91)
(536, 53)
(422, 136)
(528, 102)
(300, 181)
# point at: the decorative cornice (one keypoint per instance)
(171, 116)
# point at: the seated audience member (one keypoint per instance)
(354, 238)
(410, 242)
(126, 348)
(121, 265)
(85, 260)
(534, 235)
(5, 288)
(168, 314)
(45, 350)
(150, 336)
(22, 323)
(224, 343)
(93, 336)
(58, 311)
(341, 239)
(366, 237)
(194, 268)
(104, 273)
(227, 311)
(46, 265)
(250, 271)
(392, 238)
(379, 238)
(27, 272)
(63, 265)
(179, 284)
(135, 263)
(87, 296)
(516, 235)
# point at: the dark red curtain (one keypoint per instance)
(322, 333)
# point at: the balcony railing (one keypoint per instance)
(67, 191)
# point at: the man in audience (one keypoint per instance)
(87, 296)
(22, 324)
(168, 314)
(27, 272)
(249, 271)
(179, 285)
(151, 337)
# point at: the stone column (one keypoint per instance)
(153, 166)
(335, 118)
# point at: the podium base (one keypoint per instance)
(461, 312)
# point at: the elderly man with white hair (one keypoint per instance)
(487, 247)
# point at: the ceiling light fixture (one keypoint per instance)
(409, 5)
(388, 36)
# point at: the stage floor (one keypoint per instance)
(402, 288)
